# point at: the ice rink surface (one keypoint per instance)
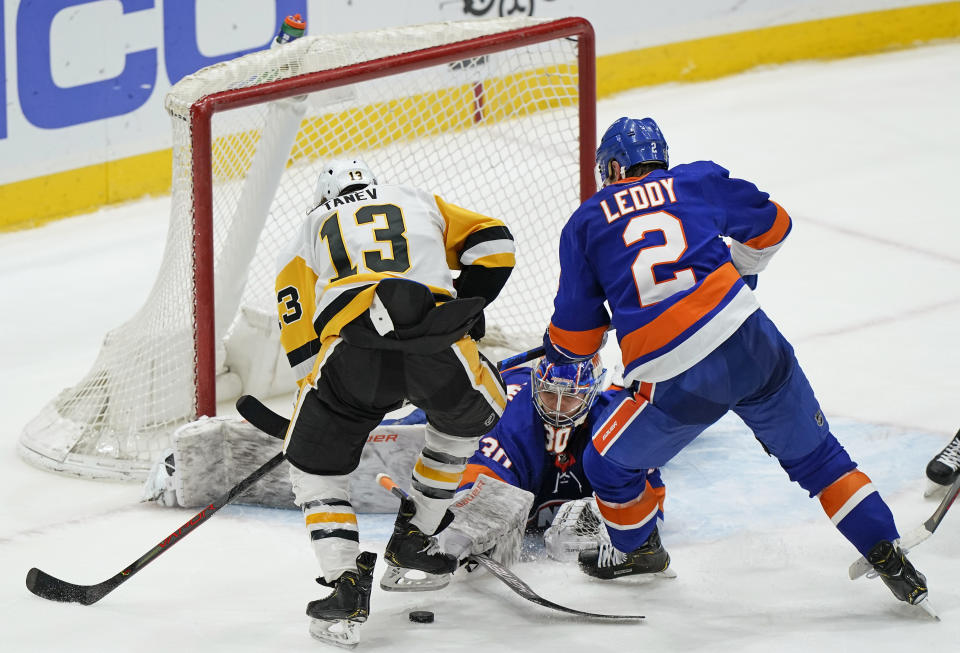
(863, 153)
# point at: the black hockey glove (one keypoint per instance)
(479, 328)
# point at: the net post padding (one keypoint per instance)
(495, 115)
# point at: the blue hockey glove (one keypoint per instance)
(555, 356)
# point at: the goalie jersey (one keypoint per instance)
(654, 248)
(525, 452)
(328, 274)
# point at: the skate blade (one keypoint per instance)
(650, 577)
(926, 607)
(400, 579)
(339, 632)
(934, 490)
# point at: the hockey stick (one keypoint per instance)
(49, 587)
(917, 535)
(509, 578)
(523, 357)
(254, 411)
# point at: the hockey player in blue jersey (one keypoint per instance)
(670, 250)
(537, 447)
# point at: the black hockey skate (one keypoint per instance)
(334, 619)
(607, 562)
(414, 561)
(897, 573)
(944, 468)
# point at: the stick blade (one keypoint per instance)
(53, 589)
(512, 581)
(254, 411)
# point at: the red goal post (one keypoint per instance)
(495, 115)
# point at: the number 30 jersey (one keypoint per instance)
(328, 274)
(654, 249)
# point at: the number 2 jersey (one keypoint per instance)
(653, 248)
(327, 276)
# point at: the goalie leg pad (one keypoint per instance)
(330, 520)
(489, 518)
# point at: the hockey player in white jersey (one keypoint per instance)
(370, 316)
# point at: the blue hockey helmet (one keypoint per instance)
(564, 394)
(630, 141)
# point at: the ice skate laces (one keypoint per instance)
(950, 456)
(609, 556)
(432, 547)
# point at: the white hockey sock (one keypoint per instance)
(330, 519)
(437, 475)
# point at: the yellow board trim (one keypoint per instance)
(728, 54)
(32, 202)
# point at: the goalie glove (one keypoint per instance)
(577, 527)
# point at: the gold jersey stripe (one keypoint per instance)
(504, 260)
(482, 377)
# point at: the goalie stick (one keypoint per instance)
(509, 578)
(917, 535)
(52, 588)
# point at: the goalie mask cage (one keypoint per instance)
(495, 115)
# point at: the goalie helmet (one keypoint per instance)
(563, 394)
(340, 176)
(629, 141)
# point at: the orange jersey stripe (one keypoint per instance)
(774, 234)
(660, 493)
(681, 316)
(474, 470)
(581, 343)
(835, 495)
(633, 513)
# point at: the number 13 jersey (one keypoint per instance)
(653, 248)
(328, 274)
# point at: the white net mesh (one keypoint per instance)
(497, 133)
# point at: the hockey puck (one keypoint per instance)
(421, 616)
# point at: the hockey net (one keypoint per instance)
(494, 115)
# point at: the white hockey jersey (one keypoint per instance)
(328, 274)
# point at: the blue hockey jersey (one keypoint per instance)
(524, 451)
(653, 248)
